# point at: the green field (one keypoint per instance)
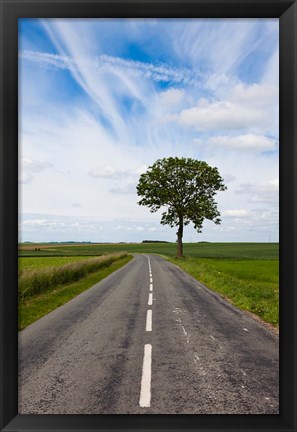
(38, 262)
(247, 274)
(202, 250)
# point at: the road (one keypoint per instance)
(148, 339)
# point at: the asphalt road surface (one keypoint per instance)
(148, 339)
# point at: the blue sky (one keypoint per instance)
(101, 99)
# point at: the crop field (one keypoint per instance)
(202, 250)
(39, 262)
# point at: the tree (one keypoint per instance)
(186, 188)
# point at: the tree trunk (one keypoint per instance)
(180, 239)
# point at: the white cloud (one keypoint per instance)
(121, 189)
(220, 84)
(271, 75)
(224, 115)
(254, 95)
(227, 229)
(29, 167)
(43, 223)
(228, 178)
(171, 97)
(25, 177)
(267, 192)
(110, 172)
(106, 172)
(34, 165)
(236, 213)
(38, 222)
(244, 142)
(139, 228)
(247, 107)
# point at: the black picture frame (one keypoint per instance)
(286, 11)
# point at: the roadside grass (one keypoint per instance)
(32, 308)
(251, 285)
(38, 280)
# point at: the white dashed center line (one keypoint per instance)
(145, 391)
(149, 320)
(150, 299)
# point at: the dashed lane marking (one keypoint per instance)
(145, 391)
(148, 326)
(150, 299)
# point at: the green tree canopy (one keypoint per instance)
(186, 188)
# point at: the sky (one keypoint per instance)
(100, 100)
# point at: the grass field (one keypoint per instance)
(38, 262)
(203, 250)
(246, 274)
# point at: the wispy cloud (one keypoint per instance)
(123, 189)
(199, 43)
(43, 223)
(110, 172)
(267, 192)
(105, 64)
(30, 167)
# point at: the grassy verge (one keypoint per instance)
(38, 280)
(33, 308)
(251, 285)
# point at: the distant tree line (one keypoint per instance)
(154, 241)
